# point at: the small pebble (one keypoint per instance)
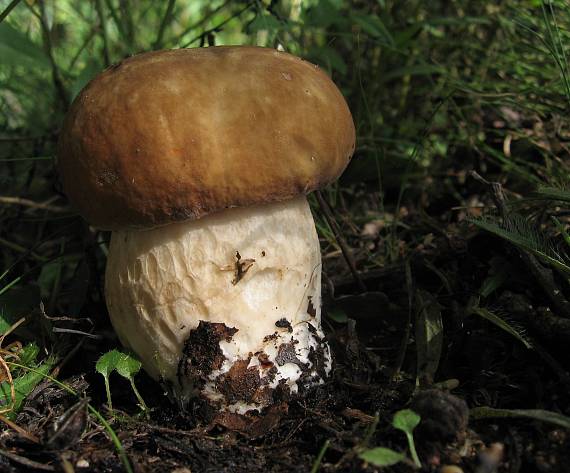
(82, 463)
(450, 469)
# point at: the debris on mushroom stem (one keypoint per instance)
(226, 307)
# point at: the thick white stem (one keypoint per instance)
(227, 307)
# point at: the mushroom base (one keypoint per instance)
(227, 307)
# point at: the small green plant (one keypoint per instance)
(405, 420)
(125, 365)
(381, 456)
(16, 384)
(112, 434)
(19, 383)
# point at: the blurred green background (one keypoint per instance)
(437, 89)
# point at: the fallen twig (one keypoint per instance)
(32, 204)
(26, 461)
(23, 432)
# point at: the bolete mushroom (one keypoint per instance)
(199, 161)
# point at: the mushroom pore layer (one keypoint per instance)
(226, 307)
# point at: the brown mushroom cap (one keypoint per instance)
(174, 135)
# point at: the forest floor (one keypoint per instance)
(461, 326)
(376, 373)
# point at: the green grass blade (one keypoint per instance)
(8, 9)
(114, 438)
(23, 386)
(535, 414)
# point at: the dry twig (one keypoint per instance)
(32, 204)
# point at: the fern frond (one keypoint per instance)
(552, 193)
(520, 232)
(503, 323)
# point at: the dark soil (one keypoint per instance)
(353, 411)
(373, 334)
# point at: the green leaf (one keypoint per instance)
(128, 366)
(17, 49)
(374, 26)
(500, 272)
(264, 22)
(124, 364)
(406, 420)
(337, 314)
(429, 334)
(323, 15)
(330, 59)
(105, 365)
(4, 13)
(406, 36)
(381, 456)
(536, 414)
(108, 362)
(48, 276)
(29, 353)
(23, 386)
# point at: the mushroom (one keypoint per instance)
(199, 161)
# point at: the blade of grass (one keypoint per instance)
(319, 459)
(535, 414)
(104, 35)
(166, 19)
(216, 28)
(8, 9)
